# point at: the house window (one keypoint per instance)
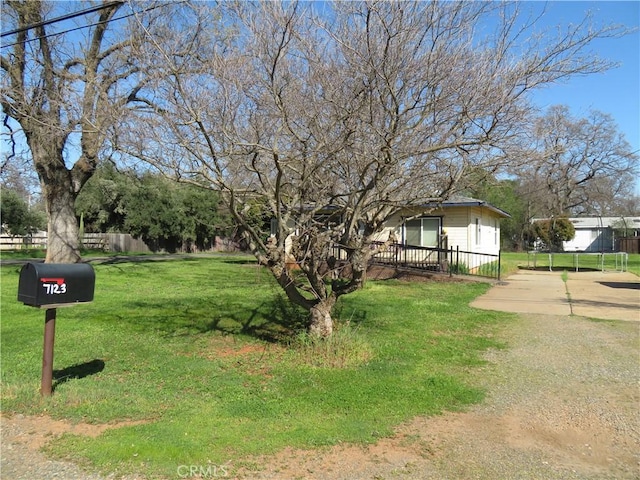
(478, 232)
(422, 232)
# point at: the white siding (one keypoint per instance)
(459, 224)
(487, 222)
(455, 224)
(581, 241)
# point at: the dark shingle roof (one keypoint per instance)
(461, 201)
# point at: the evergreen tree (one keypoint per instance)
(17, 217)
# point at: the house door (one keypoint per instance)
(422, 232)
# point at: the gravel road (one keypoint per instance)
(563, 403)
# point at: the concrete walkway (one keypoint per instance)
(605, 295)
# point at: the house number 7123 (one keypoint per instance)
(56, 287)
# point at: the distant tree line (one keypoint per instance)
(578, 166)
(520, 232)
(589, 170)
(167, 215)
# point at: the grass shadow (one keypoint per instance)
(272, 320)
(142, 259)
(78, 371)
(276, 320)
(240, 261)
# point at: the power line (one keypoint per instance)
(76, 28)
(62, 18)
(68, 31)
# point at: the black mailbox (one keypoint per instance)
(52, 285)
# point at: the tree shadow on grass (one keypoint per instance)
(278, 320)
(117, 259)
(78, 371)
(273, 320)
(241, 261)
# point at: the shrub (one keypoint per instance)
(552, 232)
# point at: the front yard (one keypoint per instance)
(204, 362)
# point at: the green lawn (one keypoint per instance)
(512, 262)
(209, 357)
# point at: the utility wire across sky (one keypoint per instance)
(70, 16)
(61, 18)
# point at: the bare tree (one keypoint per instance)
(578, 165)
(66, 91)
(332, 122)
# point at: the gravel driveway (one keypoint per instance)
(563, 403)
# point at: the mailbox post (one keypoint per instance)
(49, 286)
(46, 382)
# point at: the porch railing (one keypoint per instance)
(452, 261)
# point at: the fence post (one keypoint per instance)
(458, 259)
(499, 263)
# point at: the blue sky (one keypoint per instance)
(616, 91)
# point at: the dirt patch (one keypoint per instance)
(33, 432)
(24, 436)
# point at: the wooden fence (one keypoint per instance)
(628, 244)
(116, 242)
(37, 240)
(109, 242)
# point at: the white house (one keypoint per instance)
(464, 223)
(467, 227)
(460, 224)
(597, 234)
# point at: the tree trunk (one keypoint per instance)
(63, 245)
(321, 323)
(60, 187)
